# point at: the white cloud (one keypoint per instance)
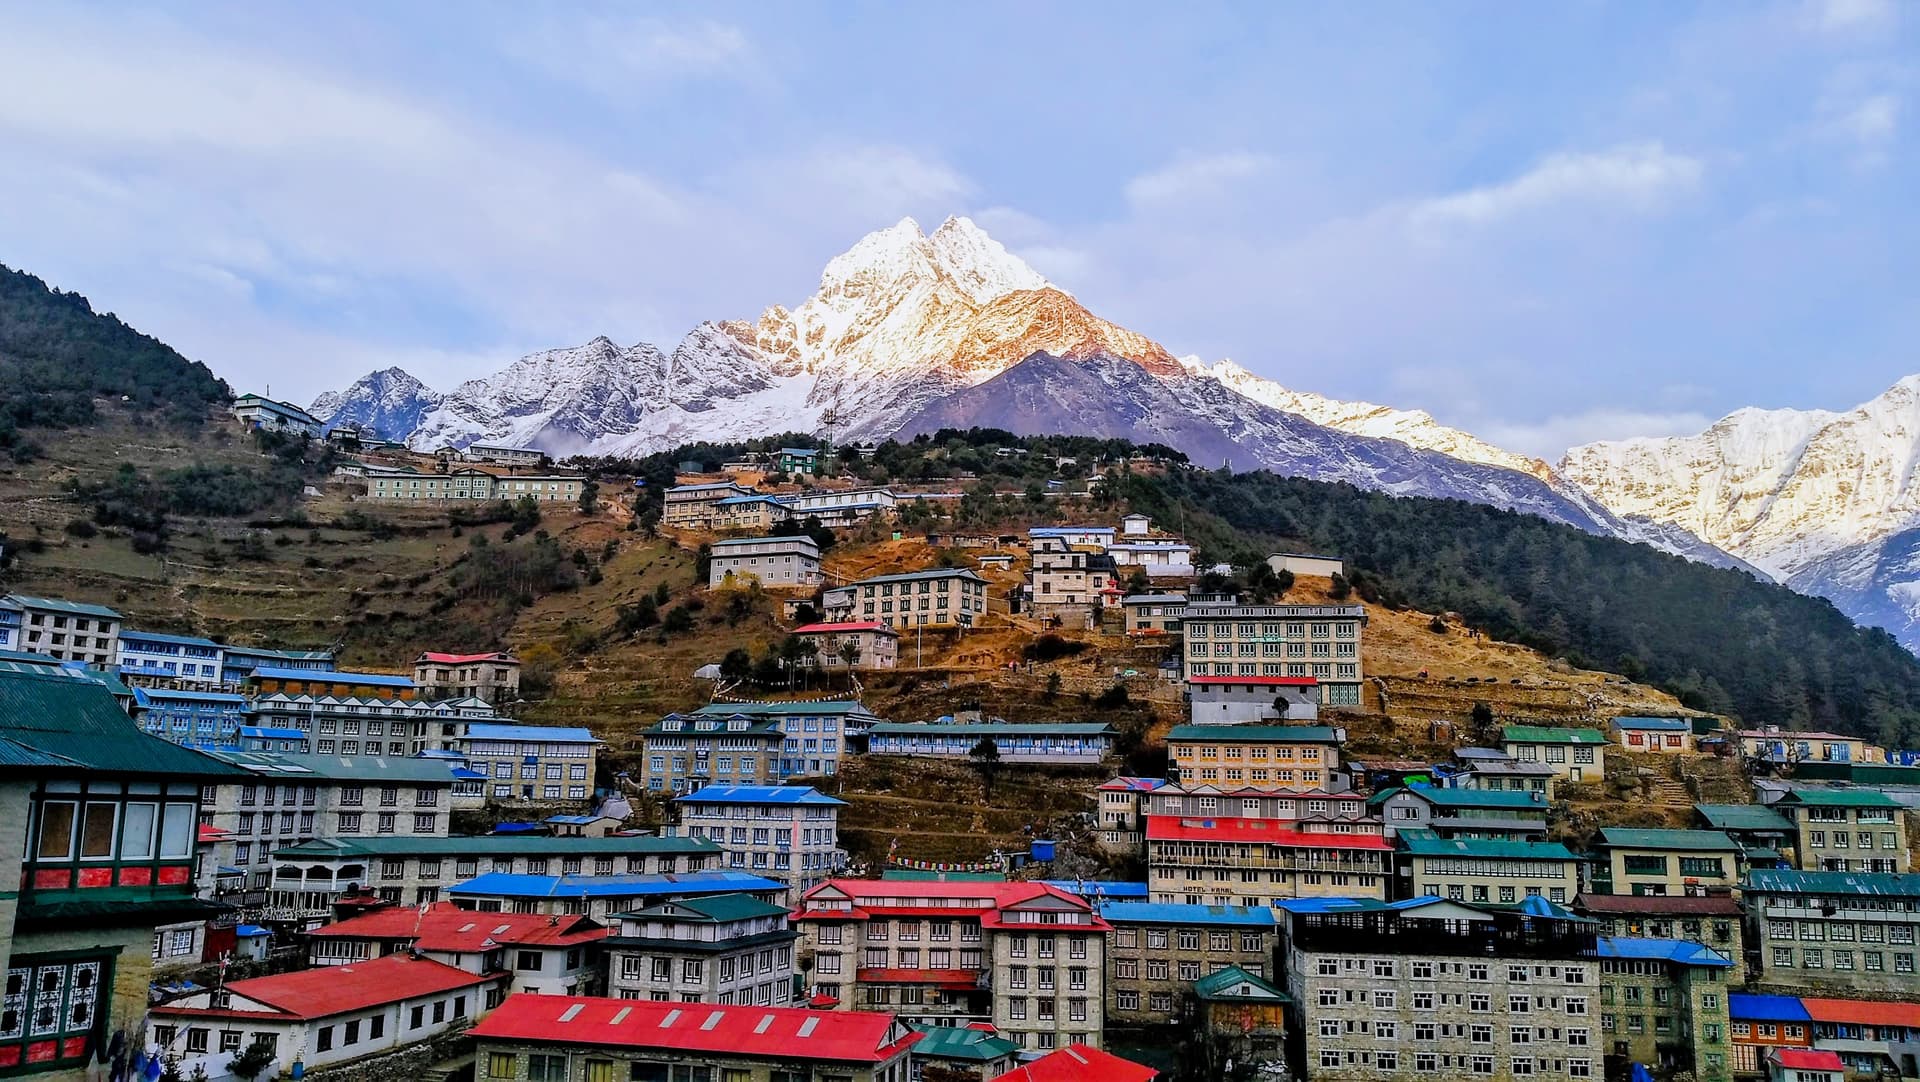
(1195, 179)
(1872, 122)
(1852, 15)
(1637, 176)
(616, 54)
(1551, 438)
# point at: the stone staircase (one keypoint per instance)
(458, 1068)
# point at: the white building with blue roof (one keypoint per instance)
(547, 764)
(788, 832)
(155, 659)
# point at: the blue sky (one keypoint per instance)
(1546, 223)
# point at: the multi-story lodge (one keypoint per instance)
(177, 661)
(856, 644)
(691, 506)
(1847, 830)
(1149, 615)
(237, 663)
(258, 413)
(1122, 814)
(1156, 952)
(1302, 758)
(1027, 957)
(1838, 933)
(1088, 742)
(102, 824)
(757, 513)
(1224, 637)
(724, 949)
(839, 507)
(1785, 746)
(1484, 871)
(1252, 700)
(1098, 537)
(1575, 755)
(1159, 559)
(1242, 860)
(543, 763)
(569, 1039)
(751, 743)
(505, 456)
(1663, 1003)
(493, 678)
(1656, 861)
(469, 483)
(1431, 987)
(951, 597)
(558, 956)
(308, 878)
(602, 897)
(1463, 813)
(790, 832)
(1712, 920)
(769, 561)
(285, 799)
(207, 718)
(67, 630)
(1069, 584)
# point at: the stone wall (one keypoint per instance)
(407, 1064)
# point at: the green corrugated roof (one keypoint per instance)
(1543, 734)
(719, 909)
(1633, 838)
(1840, 798)
(1214, 986)
(1424, 843)
(989, 728)
(1236, 734)
(1470, 798)
(1743, 817)
(960, 1042)
(1884, 884)
(59, 718)
(291, 766)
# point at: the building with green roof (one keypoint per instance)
(1847, 829)
(1664, 861)
(722, 948)
(1576, 755)
(1798, 913)
(1486, 871)
(1245, 1016)
(971, 1052)
(104, 820)
(1463, 813)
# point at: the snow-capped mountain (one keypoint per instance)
(909, 331)
(1826, 502)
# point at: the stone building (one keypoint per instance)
(724, 948)
(1578, 755)
(757, 743)
(1657, 861)
(1847, 830)
(1027, 957)
(1484, 871)
(950, 597)
(1712, 920)
(544, 764)
(493, 678)
(856, 644)
(1301, 758)
(1121, 813)
(1664, 1003)
(1251, 861)
(1224, 637)
(692, 506)
(1464, 813)
(1156, 952)
(1836, 933)
(68, 630)
(1152, 615)
(570, 1039)
(1430, 987)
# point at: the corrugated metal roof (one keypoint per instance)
(1861, 883)
(1839, 798)
(551, 734)
(1236, 734)
(1543, 734)
(1170, 913)
(492, 845)
(64, 719)
(990, 728)
(1678, 951)
(1634, 838)
(56, 604)
(1748, 1007)
(757, 794)
(1427, 844)
(508, 885)
(1756, 817)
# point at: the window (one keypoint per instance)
(546, 1067)
(500, 1065)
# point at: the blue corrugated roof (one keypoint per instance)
(249, 931)
(552, 734)
(1679, 951)
(1658, 725)
(335, 676)
(1100, 888)
(155, 636)
(1173, 913)
(757, 794)
(509, 885)
(272, 734)
(169, 694)
(1748, 1007)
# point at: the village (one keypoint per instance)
(1333, 872)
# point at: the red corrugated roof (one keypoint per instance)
(446, 929)
(1078, 1063)
(1262, 681)
(946, 978)
(1174, 828)
(461, 659)
(780, 1033)
(1863, 1012)
(329, 990)
(985, 901)
(1806, 1059)
(851, 625)
(1667, 905)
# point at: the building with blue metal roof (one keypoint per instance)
(788, 832)
(1157, 951)
(1752, 1007)
(601, 896)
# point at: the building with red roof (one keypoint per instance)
(1079, 1063)
(494, 677)
(859, 644)
(1233, 860)
(550, 955)
(1872, 1036)
(643, 1040)
(325, 1015)
(1027, 957)
(1804, 1065)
